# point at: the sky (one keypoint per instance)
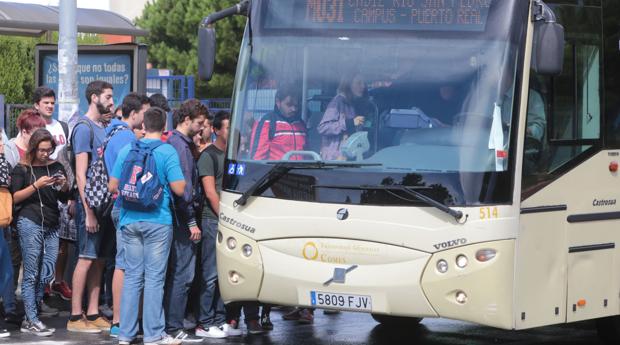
(99, 4)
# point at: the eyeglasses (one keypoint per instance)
(48, 151)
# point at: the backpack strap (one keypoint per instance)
(65, 128)
(92, 135)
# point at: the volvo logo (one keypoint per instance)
(342, 214)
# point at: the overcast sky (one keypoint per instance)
(100, 4)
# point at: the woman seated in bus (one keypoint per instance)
(281, 130)
(347, 113)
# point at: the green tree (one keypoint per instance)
(172, 40)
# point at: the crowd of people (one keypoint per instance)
(138, 202)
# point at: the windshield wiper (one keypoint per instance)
(281, 168)
(410, 190)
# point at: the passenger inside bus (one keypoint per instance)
(350, 111)
(281, 130)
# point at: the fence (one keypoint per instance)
(176, 88)
(11, 113)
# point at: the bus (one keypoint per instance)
(425, 159)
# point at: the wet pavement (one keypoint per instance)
(355, 329)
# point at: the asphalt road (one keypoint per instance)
(353, 329)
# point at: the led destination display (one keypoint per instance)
(439, 15)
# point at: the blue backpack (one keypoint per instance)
(140, 188)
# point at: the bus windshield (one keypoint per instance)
(424, 96)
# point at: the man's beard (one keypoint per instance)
(102, 109)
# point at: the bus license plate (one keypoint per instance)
(342, 301)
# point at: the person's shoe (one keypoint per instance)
(230, 330)
(13, 318)
(62, 290)
(48, 291)
(292, 315)
(4, 333)
(36, 328)
(331, 312)
(265, 322)
(211, 332)
(186, 337)
(47, 311)
(254, 327)
(102, 323)
(82, 326)
(166, 340)
(306, 316)
(106, 311)
(115, 330)
(125, 342)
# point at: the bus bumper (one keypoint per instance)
(407, 286)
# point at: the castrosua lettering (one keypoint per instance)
(237, 224)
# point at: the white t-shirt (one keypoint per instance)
(55, 128)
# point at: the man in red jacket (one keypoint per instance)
(281, 130)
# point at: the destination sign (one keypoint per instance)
(427, 15)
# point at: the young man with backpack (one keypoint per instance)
(212, 311)
(120, 134)
(144, 175)
(86, 141)
(44, 99)
(189, 120)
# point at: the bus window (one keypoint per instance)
(564, 112)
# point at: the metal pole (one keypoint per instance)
(68, 102)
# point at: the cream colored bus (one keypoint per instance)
(459, 159)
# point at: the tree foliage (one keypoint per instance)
(172, 40)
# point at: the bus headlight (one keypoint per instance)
(484, 255)
(442, 266)
(461, 261)
(461, 297)
(246, 250)
(231, 243)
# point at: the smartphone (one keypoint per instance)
(58, 175)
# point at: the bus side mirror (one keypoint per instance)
(548, 49)
(206, 52)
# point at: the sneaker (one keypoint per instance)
(102, 323)
(106, 311)
(82, 326)
(211, 332)
(36, 328)
(115, 330)
(293, 315)
(13, 318)
(166, 340)
(230, 330)
(125, 342)
(186, 337)
(265, 322)
(62, 290)
(47, 311)
(306, 316)
(254, 327)
(4, 333)
(48, 291)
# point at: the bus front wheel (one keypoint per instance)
(396, 321)
(609, 329)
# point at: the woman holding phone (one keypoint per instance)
(37, 182)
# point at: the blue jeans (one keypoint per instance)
(147, 246)
(39, 253)
(8, 292)
(181, 268)
(6, 269)
(212, 310)
(119, 262)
